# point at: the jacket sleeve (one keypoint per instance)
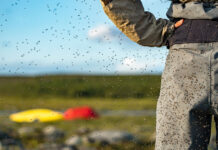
(139, 25)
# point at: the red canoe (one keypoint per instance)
(84, 112)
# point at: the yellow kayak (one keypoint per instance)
(36, 115)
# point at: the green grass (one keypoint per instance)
(62, 104)
(81, 86)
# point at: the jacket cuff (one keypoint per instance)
(169, 33)
(106, 1)
(170, 28)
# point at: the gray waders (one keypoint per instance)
(188, 97)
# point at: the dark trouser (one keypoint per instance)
(188, 97)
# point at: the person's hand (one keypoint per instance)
(179, 23)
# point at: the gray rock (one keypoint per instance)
(26, 131)
(73, 141)
(86, 140)
(111, 137)
(83, 131)
(52, 133)
(7, 142)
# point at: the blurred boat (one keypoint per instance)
(83, 112)
(36, 115)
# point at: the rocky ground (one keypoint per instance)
(53, 138)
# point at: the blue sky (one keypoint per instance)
(71, 37)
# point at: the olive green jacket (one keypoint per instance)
(143, 28)
(139, 25)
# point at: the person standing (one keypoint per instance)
(189, 86)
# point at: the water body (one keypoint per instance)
(127, 113)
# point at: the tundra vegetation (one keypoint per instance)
(100, 92)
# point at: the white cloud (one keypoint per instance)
(132, 65)
(103, 33)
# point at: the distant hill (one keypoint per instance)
(81, 86)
